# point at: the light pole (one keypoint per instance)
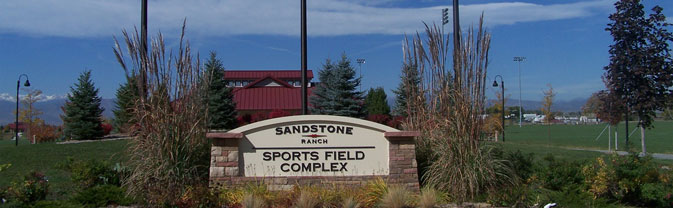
(16, 122)
(304, 64)
(502, 88)
(360, 62)
(519, 59)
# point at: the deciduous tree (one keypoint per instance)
(639, 72)
(28, 113)
(547, 102)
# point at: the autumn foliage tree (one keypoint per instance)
(28, 114)
(547, 102)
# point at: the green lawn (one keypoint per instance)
(658, 140)
(44, 158)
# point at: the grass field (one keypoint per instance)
(45, 157)
(658, 140)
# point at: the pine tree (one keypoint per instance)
(221, 106)
(82, 119)
(409, 85)
(376, 102)
(337, 92)
(127, 95)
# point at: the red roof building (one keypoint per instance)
(22, 126)
(265, 91)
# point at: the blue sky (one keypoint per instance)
(52, 41)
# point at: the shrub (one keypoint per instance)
(45, 133)
(396, 197)
(429, 198)
(521, 164)
(102, 195)
(56, 204)
(34, 187)
(107, 128)
(197, 196)
(94, 172)
(252, 201)
(306, 200)
(379, 118)
(278, 113)
(231, 197)
(350, 202)
(396, 122)
(244, 119)
(5, 166)
(631, 180)
(559, 174)
(259, 116)
(373, 192)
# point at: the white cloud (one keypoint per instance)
(42, 97)
(100, 18)
(7, 97)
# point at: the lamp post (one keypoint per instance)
(519, 59)
(502, 88)
(304, 73)
(360, 62)
(16, 122)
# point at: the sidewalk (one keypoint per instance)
(654, 155)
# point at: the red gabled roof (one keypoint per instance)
(257, 74)
(269, 98)
(22, 126)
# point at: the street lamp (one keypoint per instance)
(360, 62)
(519, 59)
(16, 123)
(502, 88)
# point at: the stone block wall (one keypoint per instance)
(224, 166)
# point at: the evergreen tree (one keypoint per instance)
(221, 106)
(337, 92)
(376, 102)
(127, 95)
(410, 81)
(639, 72)
(82, 119)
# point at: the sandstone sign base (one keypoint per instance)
(268, 139)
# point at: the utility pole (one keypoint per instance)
(304, 96)
(519, 59)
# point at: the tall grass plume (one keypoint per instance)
(170, 151)
(448, 110)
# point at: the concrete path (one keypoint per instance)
(654, 155)
(106, 138)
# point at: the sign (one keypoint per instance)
(313, 145)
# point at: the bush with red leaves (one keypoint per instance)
(278, 113)
(107, 128)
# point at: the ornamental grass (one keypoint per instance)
(447, 109)
(170, 151)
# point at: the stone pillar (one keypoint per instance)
(224, 156)
(403, 165)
